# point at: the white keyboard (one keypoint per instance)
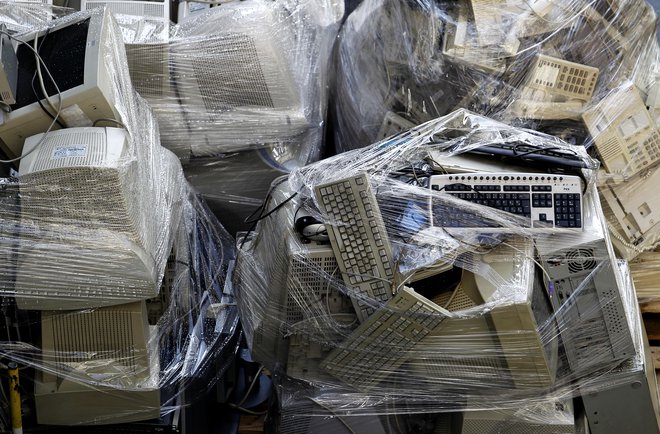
(358, 238)
(381, 344)
(547, 201)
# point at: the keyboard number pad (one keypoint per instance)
(568, 210)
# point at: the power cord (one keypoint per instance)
(59, 94)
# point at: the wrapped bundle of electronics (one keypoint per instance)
(532, 63)
(112, 282)
(420, 276)
(585, 71)
(240, 90)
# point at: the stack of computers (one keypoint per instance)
(237, 88)
(418, 276)
(90, 231)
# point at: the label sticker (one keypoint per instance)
(70, 151)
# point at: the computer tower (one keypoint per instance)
(625, 399)
(584, 291)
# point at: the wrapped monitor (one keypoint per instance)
(238, 88)
(423, 274)
(113, 270)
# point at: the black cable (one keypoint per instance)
(34, 77)
(263, 216)
(567, 153)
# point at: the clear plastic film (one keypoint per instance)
(113, 270)
(625, 132)
(531, 63)
(388, 279)
(238, 88)
(584, 71)
(21, 16)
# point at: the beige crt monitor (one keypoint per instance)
(498, 334)
(235, 80)
(148, 60)
(624, 132)
(76, 52)
(81, 208)
(101, 367)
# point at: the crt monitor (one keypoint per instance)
(75, 52)
(81, 193)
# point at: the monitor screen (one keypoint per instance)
(63, 52)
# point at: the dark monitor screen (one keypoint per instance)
(63, 52)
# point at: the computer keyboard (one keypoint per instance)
(358, 238)
(381, 344)
(548, 201)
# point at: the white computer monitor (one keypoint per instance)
(75, 51)
(82, 209)
(235, 79)
(146, 35)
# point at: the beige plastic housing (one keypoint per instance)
(111, 344)
(624, 132)
(89, 171)
(148, 62)
(81, 105)
(555, 89)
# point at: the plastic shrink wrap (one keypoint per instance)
(585, 71)
(20, 16)
(533, 63)
(240, 92)
(112, 277)
(417, 275)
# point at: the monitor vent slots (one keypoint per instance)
(229, 74)
(149, 69)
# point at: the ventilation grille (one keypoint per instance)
(148, 66)
(95, 198)
(307, 282)
(6, 96)
(451, 369)
(617, 325)
(50, 151)
(138, 8)
(97, 335)
(511, 426)
(229, 74)
(580, 260)
(460, 301)
(584, 334)
(610, 149)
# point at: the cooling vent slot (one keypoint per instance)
(581, 260)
